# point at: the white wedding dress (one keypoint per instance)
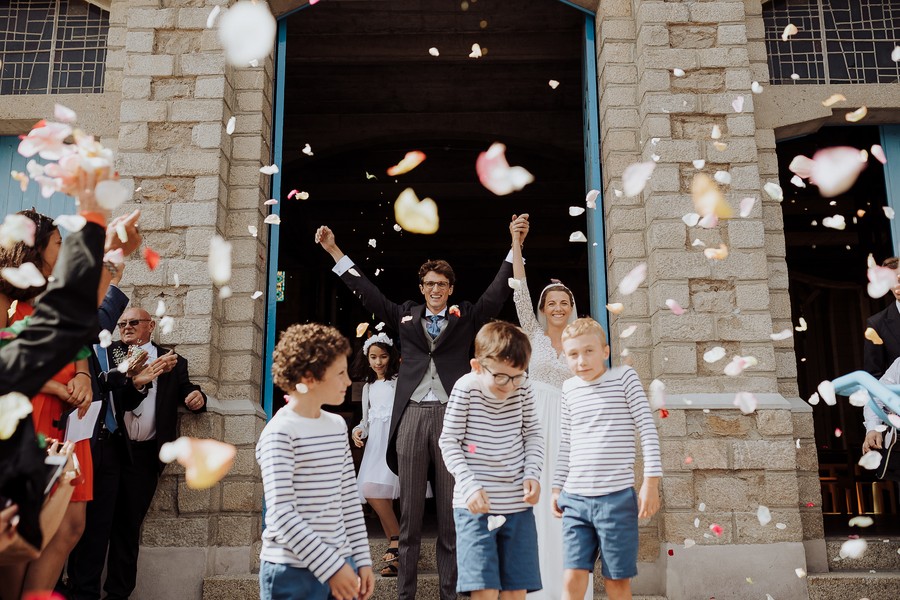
(546, 373)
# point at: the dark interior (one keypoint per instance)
(362, 90)
(827, 271)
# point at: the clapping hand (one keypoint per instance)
(163, 364)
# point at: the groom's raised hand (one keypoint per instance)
(325, 238)
(518, 228)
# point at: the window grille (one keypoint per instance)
(839, 41)
(52, 47)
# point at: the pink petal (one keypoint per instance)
(496, 175)
(293, 193)
(745, 401)
(64, 114)
(716, 529)
(635, 177)
(674, 307)
(410, 161)
(802, 166)
(633, 280)
(878, 153)
(271, 202)
(836, 169)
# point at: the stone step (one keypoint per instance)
(882, 554)
(847, 586)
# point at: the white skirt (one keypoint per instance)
(375, 479)
(549, 529)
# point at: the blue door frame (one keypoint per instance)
(890, 142)
(593, 181)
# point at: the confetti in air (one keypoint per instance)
(410, 161)
(496, 175)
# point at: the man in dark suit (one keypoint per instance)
(435, 342)
(126, 461)
(878, 357)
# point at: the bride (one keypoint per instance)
(546, 374)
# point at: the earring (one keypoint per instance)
(302, 388)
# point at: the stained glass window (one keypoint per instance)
(52, 47)
(839, 41)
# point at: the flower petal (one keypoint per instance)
(361, 329)
(64, 114)
(24, 276)
(781, 335)
(615, 307)
(878, 152)
(206, 462)
(636, 176)
(764, 515)
(229, 128)
(415, 216)
(307, 150)
(854, 548)
(17, 228)
(873, 336)
(591, 199)
(574, 211)
(219, 261)
(774, 191)
(633, 279)
(577, 236)
(269, 169)
(410, 161)
(870, 460)
(13, 408)
(247, 32)
(859, 398)
(674, 307)
(71, 223)
(836, 222)
(756, 88)
(166, 325)
(272, 219)
(628, 331)
(708, 198)
(835, 169)
(881, 281)
(826, 392)
(714, 354)
(834, 99)
(495, 522)
(746, 401)
(496, 175)
(110, 194)
(434, 51)
(789, 30)
(553, 84)
(476, 51)
(857, 115)
(738, 104)
(678, 72)
(861, 521)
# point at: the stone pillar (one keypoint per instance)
(194, 181)
(713, 454)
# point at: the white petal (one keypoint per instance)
(781, 335)
(826, 391)
(745, 401)
(225, 292)
(698, 242)
(175, 278)
(861, 522)
(105, 338)
(24, 276)
(574, 211)
(553, 84)
(269, 169)
(633, 280)
(635, 177)
(628, 331)
(166, 325)
(774, 191)
(854, 548)
(814, 399)
(307, 150)
(397, 227)
(591, 199)
(495, 522)
(678, 72)
(160, 309)
(353, 272)
(802, 326)
(618, 193)
(764, 515)
(691, 219)
(714, 354)
(756, 88)
(256, 294)
(688, 542)
(64, 114)
(657, 394)
(253, 230)
(434, 51)
(878, 152)
(895, 54)
(795, 76)
(110, 194)
(881, 280)
(303, 195)
(738, 104)
(790, 30)
(577, 236)
(373, 242)
(476, 51)
(219, 260)
(800, 572)
(888, 212)
(71, 223)
(615, 307)
(859, 398)
(798, 182)
(746, 206)
(247, 32)
(272, 219)
(229, 127)
(213, 15)
(716, 132)
(835, 170)
(723, 177)
(14, 407)
(699, 163)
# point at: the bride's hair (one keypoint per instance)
(556, 286)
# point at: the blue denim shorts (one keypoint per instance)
(504, 559)
(284, 582)
(604, 526)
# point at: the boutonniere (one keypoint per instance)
(454, 310)
(406, 319)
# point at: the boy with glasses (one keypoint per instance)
(492, 444)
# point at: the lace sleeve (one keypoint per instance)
(524, 308)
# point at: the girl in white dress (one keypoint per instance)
(378, 365)
(547, 371)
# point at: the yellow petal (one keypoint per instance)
(415, 216)
(720, 253)
(834, 99)
(361, 329)
(857, 115)
(708, 198)
(206, 462)
(615, 308)
(410, 161)
(873, 336)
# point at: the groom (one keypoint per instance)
(435, 342)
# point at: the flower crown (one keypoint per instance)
(381, 338)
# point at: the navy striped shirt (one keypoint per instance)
(599, 419)
(313, 515)
(491, 444)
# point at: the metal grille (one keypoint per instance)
(857, 36)
(52, 47)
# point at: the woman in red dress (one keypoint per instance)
(71, 387)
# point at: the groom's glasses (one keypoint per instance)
(502, 379)
(441, 285)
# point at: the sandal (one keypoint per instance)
(391, 569)
(392, 554)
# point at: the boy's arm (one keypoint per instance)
(451, 442)
(275, 455)
(354, 524)
(531, 432)
(643, 420)
(562, 458)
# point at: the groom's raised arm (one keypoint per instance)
(367, 292)
(493, 298)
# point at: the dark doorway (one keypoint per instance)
(362, 90)
(827, 271)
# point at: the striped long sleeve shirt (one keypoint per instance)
(314, 518)
(491, 444)
(597, 449)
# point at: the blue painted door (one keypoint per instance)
(890, 141)
(12, 198)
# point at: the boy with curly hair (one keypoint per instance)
(315, 539)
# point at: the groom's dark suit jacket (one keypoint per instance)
(172, 388)
(877, 358)
(451, 350)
